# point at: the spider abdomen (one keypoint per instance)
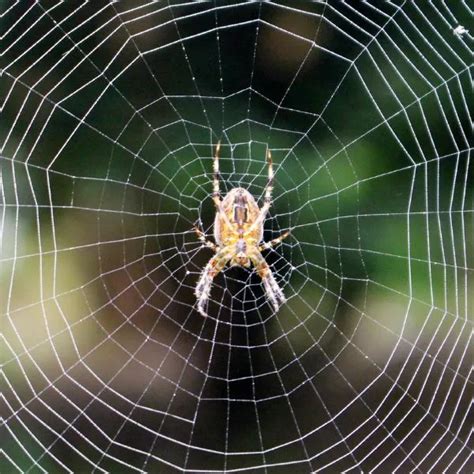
(237, 222)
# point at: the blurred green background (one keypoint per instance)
(110, 120)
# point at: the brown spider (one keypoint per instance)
(238, 232)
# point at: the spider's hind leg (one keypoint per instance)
(215, 177)
(216, 194)
(269, 187)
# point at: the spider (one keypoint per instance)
(238, 233)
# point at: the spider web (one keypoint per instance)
(110, 117)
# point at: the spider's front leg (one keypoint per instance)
(213, 267)
(274, 292)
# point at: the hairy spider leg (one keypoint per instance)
(216, 195)
(269, 187)
(215, 175)
(272, 243)
(274, 292)
(213, 267)
(202, 237)
(267, 201)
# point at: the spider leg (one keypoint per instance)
(272, 243)
(202, 237)
(269, 187)
(274, 292)
(216, 195)
(213, 267)
(267, 201)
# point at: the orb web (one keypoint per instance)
(110, 118)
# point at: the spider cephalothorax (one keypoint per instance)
(238, 232)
